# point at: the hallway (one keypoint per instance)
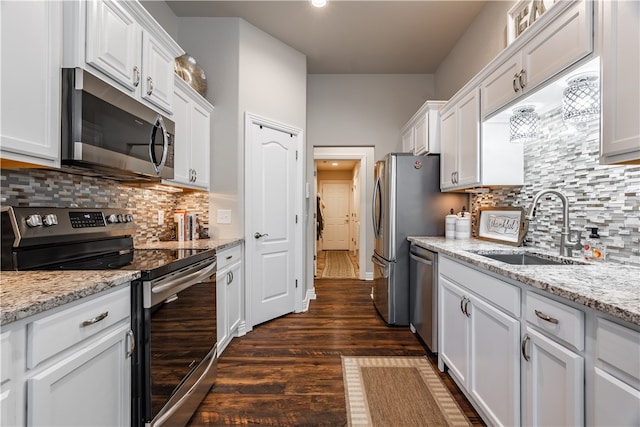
(288, 371)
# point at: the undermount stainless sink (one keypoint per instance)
(528, 258)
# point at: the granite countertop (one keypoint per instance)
(607, 287)
(26, 293)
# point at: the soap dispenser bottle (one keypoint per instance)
(593, 248)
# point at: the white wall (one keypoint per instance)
(162, 13)
(364, 109)
(485, 38)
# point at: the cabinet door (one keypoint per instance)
(468, 123)
(113, 42)
(566, 40)
(448, 148)
(619, 82)
(182, 138)
(501, 86)
(615, 403)
(234, 297)
(407, 140)
(421, 135)
(158, 74)
(222, 302)
(554, 383)
(200, 145)
(495, 362)
(30, 62)
(454, 329)
(89, 387)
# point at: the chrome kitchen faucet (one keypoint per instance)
(567, 246)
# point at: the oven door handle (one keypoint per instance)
(189, 279)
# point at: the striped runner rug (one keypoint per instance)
(338, 265)
(397, 391)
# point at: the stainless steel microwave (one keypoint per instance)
(107, 133)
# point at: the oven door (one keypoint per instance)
(179, 343)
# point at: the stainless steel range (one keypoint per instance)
(173, 303)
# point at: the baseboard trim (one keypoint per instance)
(368, 275)
(311, 295)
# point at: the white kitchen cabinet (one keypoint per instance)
(122, 43)
(616, 375)
(421, 133)
(553, 382)
(460, 142)
(31, 34)
(89, 387)
(479, 343)
(562, 40)
(230, 295)
(70, 365)
(619, 82)
(192, 117)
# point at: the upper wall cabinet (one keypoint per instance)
(567, 38)
(620, 82)
(421, 134)
(30, 78)
(192, 116)
(124, 45)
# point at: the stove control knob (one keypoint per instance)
(34, 220)
(50, 219)
(120, 218)
(112, 219)
(129, 218)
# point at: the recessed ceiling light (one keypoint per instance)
(334, 164)
(319, 3)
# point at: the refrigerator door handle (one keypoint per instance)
(374, 217)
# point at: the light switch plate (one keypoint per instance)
(224, 216)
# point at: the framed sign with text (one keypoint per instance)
(505, 225)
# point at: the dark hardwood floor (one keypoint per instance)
(288, 371)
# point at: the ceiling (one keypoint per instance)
(336, 165)
(354, 37)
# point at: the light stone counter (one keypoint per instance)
(606, 287)
(26, 293)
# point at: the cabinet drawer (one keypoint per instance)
(229, 256)
(499, 293)
(618, 347)
(556, 319)
(50, 335)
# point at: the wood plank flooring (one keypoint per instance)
(288, 372)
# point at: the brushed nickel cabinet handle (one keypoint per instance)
(513, 83)
(136, 76)
(546, 317)
(149, 85)
(132, 343)
(521, 79)
(94, 320)
(466, 307)
(525, 339)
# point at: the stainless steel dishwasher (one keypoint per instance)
(423, 295)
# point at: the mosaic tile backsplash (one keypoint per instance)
(40, 187)
(607, 197)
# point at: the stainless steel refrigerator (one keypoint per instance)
(406, 202)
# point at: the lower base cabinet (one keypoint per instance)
(553, 383)
(70, 366)
(229, 295)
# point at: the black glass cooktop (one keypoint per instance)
(150, 261)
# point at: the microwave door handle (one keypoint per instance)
(159, 124)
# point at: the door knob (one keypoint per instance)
(259, 235)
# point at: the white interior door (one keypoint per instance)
(336, 198)
(273, 218)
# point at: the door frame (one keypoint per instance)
(249, 245)
(365, 154)
(350, 184)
